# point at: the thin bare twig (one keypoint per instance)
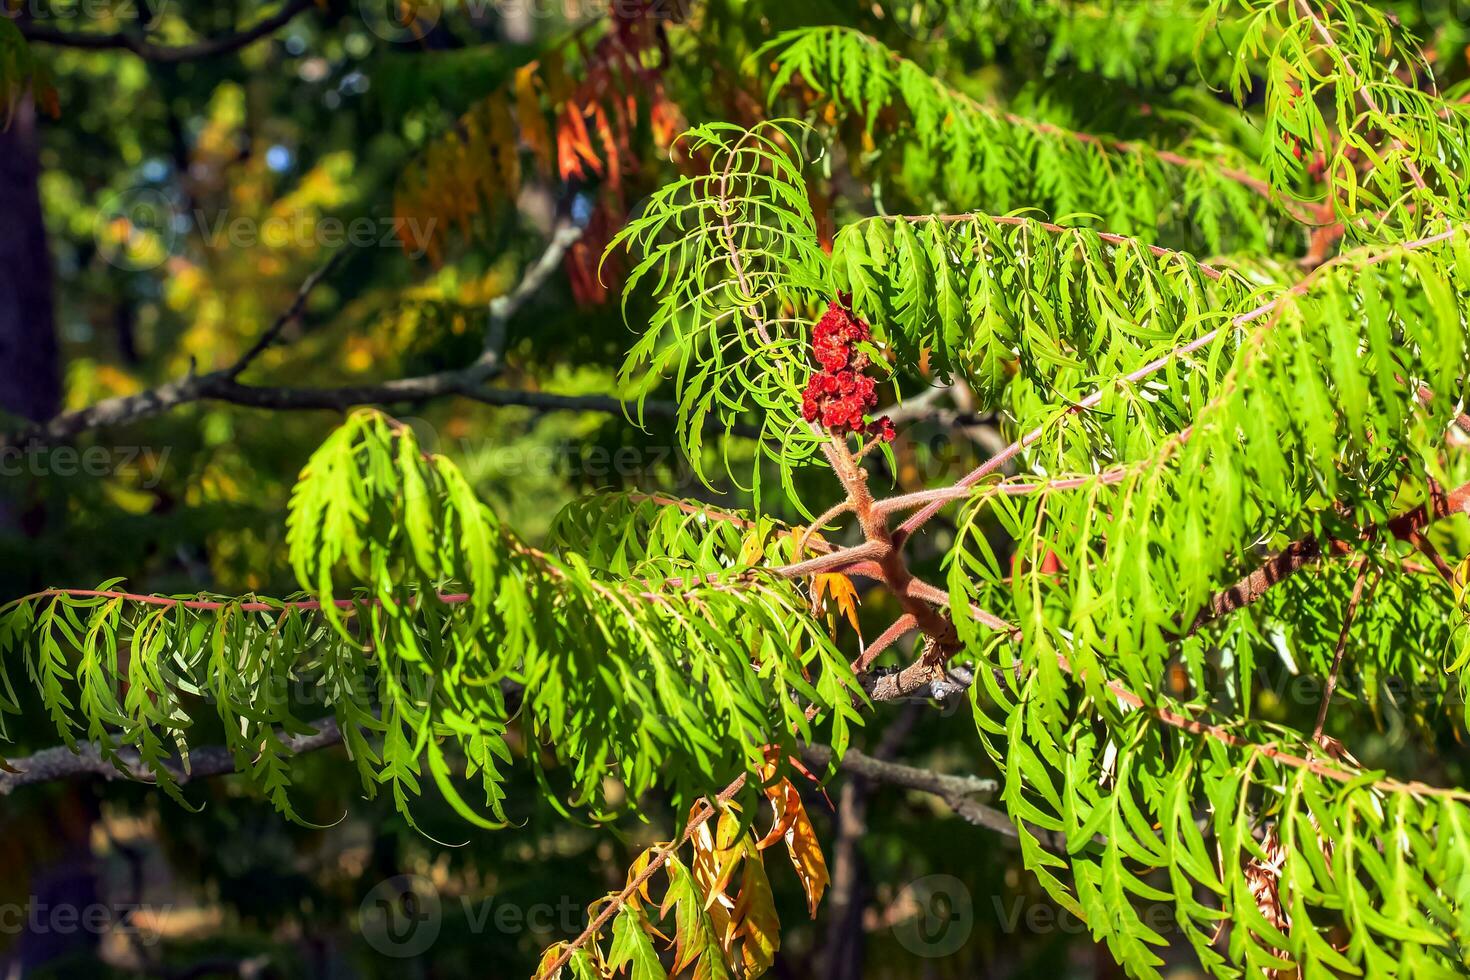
(288, 317)
(957, 791)
(222, 386)
(1342, 639)
(162, 54)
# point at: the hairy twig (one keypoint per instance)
(900, 628)
(1309, 550)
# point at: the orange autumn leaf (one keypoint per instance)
(603, 129)
(794, 826)
(784, 802)
(836, 586)
(808, 859)
(533, 128)
(568, 164)
(840, 590)
(574, 143)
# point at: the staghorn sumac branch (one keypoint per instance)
(1366, 256)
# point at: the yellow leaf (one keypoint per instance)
(717, 856)
(842, 592)
(532, 121)
(753, 549)
(639, 866)
(548, 958)
(1462, 580)
(754, 920)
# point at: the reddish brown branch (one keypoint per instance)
(841, 560)
(902, 626)
(1308, 551)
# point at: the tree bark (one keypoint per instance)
(30, 377)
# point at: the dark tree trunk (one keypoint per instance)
(30, 386)
(30, 377)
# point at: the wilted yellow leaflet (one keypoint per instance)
(754, 920)
(753, 548)
(793, 824)
(547, 958)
